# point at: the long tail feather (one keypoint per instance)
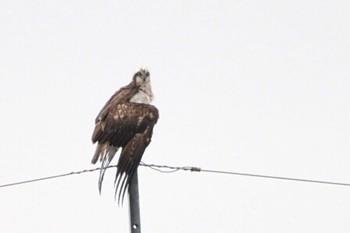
(126, 186)
(124, 172)
(106, 157)
(129, 160)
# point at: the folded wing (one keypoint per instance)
(127, 125)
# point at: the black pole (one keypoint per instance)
(134, 202)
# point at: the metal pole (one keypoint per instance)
(134, 202)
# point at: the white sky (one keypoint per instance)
(260, 87)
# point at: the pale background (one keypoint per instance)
(247, 86)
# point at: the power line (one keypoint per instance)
(279, 177)
(197, 169)
(52, 177)
(169, 169)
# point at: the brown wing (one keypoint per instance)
(123, 95)
(127, 125)
(129, 160)
(122, 122)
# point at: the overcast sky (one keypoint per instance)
(259, 87)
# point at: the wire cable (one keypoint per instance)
(197, 169)
(53, 177)
(170, 169)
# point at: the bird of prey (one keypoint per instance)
(126, 121)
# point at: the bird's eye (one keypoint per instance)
(138, 74)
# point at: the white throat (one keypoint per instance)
(141, 98)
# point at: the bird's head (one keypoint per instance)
(142, 81)
(141, 77)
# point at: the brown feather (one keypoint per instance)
(126, 124)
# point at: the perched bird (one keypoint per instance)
(126, 121)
